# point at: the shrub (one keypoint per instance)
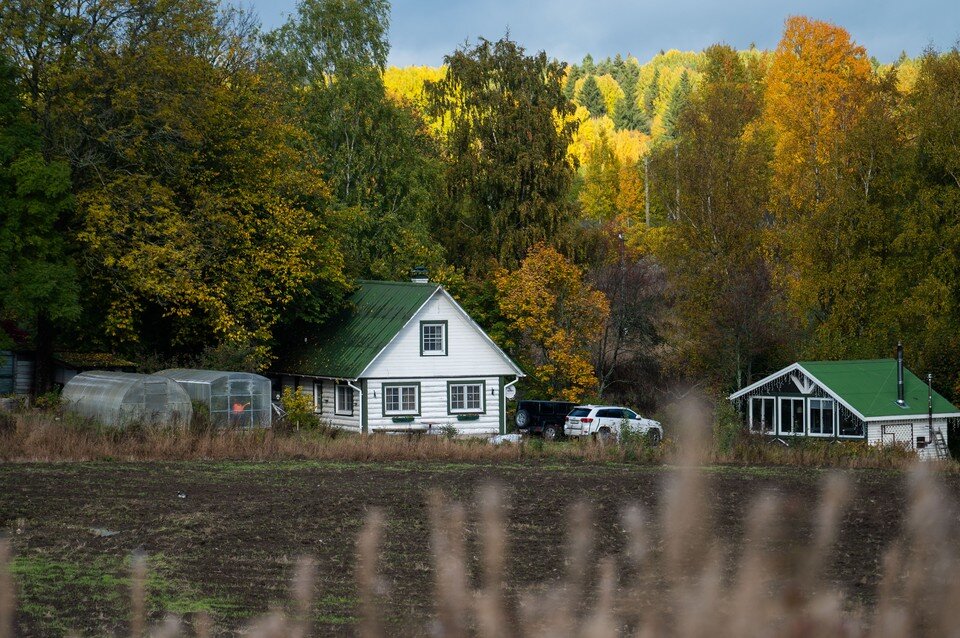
(728, 428)
(200, 422)
(48, 401)
(447, 431)
(299, 411)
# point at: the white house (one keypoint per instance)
(876, 400)
(404, 357)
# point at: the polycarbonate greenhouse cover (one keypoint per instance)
(234, 399)
(119, 399)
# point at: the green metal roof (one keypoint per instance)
(870, 387)
(346, 346)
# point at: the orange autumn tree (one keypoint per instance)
(559, 317)
(817, 90)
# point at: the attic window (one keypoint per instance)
(433, 338)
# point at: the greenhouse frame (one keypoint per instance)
(234, 399)
(121, 399)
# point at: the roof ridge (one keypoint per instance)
(385, 282)
(827, 361)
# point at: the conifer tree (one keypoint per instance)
(627, 114)
(591, 98)
(570, 87)
(678, 100)
(651, 93)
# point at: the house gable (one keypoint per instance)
(867, 388)
(468, 350)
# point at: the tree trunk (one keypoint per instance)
(43, 368)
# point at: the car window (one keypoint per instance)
(579, 412)
(630, 414)
(546, 409)
(608, 413)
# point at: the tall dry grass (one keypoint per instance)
(40, 436)
(678, 581)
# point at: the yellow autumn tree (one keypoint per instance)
(558, 316)
(817, 89)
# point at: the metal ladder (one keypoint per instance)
(940, 445)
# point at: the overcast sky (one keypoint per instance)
(423, 31)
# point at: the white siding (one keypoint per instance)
(351, 422)
(325, 409)
(469, 353)
(433, 406)
(906, 432)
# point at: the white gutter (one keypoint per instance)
(503, 400)
(360, 392)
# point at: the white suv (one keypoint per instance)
(607, 421)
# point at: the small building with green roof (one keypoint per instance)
(403, 356)
(873, 400)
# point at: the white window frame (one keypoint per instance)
(338, 407)
(833, 415)
(442, 352)
(452, 387)
(773, 417)
(318, 396)
(851, 437)
(401, 410)
(803, 416)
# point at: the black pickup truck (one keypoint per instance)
(543, 417)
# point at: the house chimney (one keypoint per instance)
(418, 275)
(900, 400)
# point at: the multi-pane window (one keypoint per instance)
(401, 399)
(849, 424)
(344, 400)
(466, 397)
(791, 416)
(821, 417)
(433, 338)
(762, 414)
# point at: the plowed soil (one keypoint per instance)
(224, 537)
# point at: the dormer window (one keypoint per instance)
(433, 338)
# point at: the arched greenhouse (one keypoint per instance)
(234, 399)
(119, 399)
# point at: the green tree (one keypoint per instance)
(508, 128)
(650, 95)
(678, 101)
(198, 219)
(927, 265)
(39, 286)
(591, 98)
(377, 156)
(570, 85)
(628, 114)
(727, 318)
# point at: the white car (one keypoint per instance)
(607, 422)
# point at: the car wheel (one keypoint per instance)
(523, 419)
(604, 435)
(550, 433)
(654, 437)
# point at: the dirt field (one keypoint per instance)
(223, 537)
